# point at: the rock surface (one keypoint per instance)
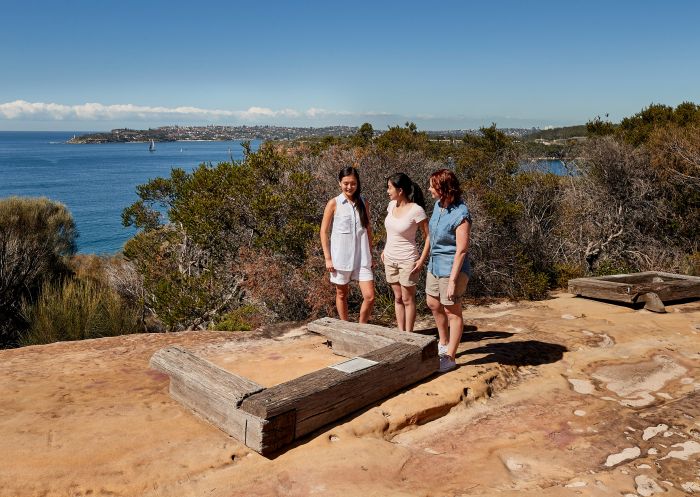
(564, 397)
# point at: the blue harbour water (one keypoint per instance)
(96, 182)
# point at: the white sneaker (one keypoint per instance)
(446, 364)
(442, 349)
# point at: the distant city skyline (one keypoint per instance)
(92, 66)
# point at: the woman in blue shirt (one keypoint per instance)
(448, 266)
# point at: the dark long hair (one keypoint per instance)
(410, 189)
(356, 197)
(447, 186)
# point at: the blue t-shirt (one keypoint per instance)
(443, 238)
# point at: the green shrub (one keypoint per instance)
(693, 264)
(36, 237)
(245, 318)
(533, 285)
(563, 272)
(609, 267)
(75, 310)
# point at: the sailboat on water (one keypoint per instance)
(152, 146)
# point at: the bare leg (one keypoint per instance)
(408, 295)
(454, 316)
(438, 311)
(399, 307)
(367, 289)
(341, 300)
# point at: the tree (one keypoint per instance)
(406, 138)
(189, 258)
(637, 128)
(36, 237)
(600, 127)
(364, 135)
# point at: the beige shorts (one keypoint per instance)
(400, 272)
(437, 287)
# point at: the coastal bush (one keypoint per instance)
(76, 309)
(37, 236)
(638, 128)
(244, 318)
(280, 284)
(634, 208)
(184, 286)
(692, 264)
(189, 258)
(119, 275)
(227, 237)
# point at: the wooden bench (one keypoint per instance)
(267, 419)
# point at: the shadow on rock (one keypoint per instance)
(470, 334)
(527, 353)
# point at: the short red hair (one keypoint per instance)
(446, 185)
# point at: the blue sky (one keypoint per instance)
(79, 65)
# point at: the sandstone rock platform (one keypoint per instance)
(562, 397)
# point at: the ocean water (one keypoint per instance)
(96, 182)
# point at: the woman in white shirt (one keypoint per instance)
(402, 263)
(348, 256)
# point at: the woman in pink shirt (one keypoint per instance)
(402, 262)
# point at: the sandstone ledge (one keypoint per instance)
(562, 397)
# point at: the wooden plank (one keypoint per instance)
(324, 396)
(599, 289)
(224, 416)
(267, 420)
(668, 291)
(684, 277)
(645, 276)
(202, 376)
(271, 434)
(354, 339)
(630, 288)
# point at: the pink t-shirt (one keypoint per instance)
(401, 232)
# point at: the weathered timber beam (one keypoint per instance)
(325, 395)
(629, 288)
(626, 278)
(211, 392)
(354, 339)
(599, 289)
(223, 415)
(683, 277)
(669, 291)
(198, 373)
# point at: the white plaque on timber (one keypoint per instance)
(354, 365)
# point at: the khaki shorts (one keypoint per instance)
(437, 287)
(400, 272)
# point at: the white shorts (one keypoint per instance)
(345, 277)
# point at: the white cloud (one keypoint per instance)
(34, 115)
(21, 109)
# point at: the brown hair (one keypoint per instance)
(447, 186)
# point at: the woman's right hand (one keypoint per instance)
(451, 289)
(329, 265)
(382, 256)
